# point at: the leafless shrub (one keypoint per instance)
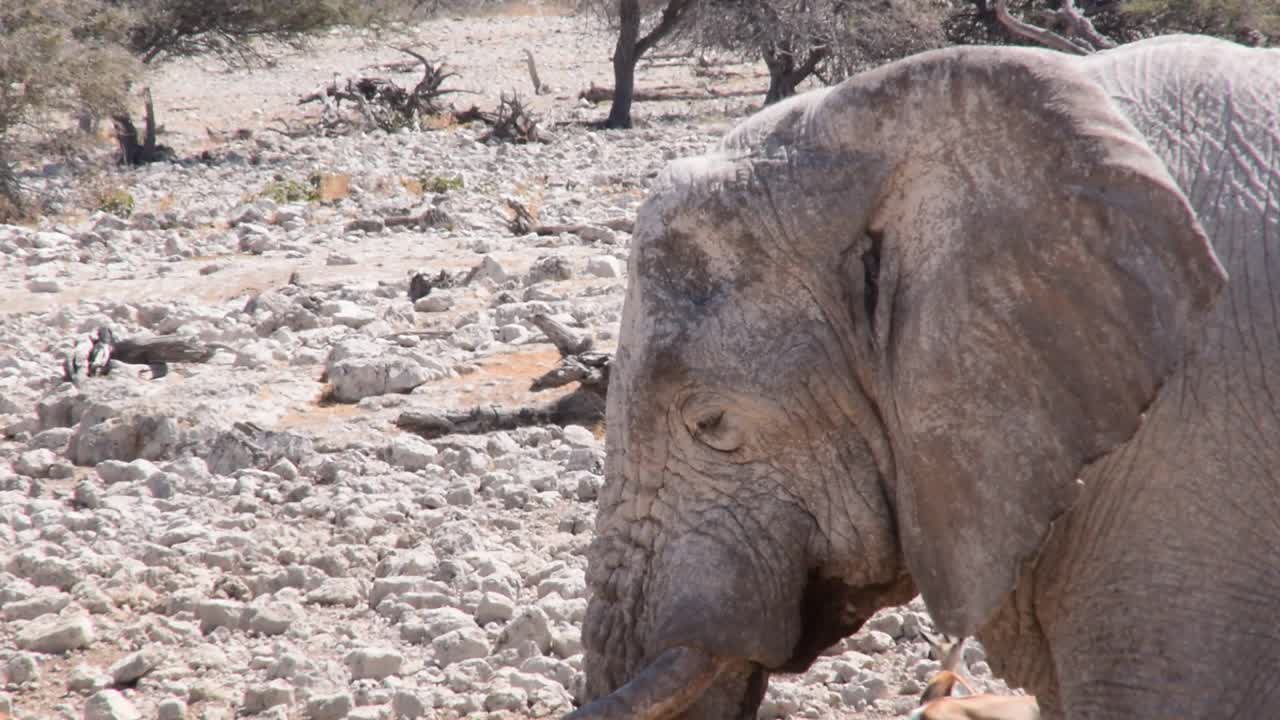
(381, 103)
(512, 122)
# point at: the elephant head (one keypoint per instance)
(867, 346)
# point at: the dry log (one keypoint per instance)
(665, 93)
(566, 339)
(584, 406)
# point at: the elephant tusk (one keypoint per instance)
(665, 688)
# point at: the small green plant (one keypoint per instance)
(116, 201)
(439, 183)
(285, 190)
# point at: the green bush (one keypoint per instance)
(439, 183)
(117, 201)
(284, 190)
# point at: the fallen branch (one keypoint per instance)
(596, 94)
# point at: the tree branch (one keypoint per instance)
(671, 16)
(1047, 38)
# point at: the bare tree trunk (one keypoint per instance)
(784, 75)
(631, 47)
(624, 64)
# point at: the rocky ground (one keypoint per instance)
(252, 535)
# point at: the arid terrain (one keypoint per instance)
(230, 540)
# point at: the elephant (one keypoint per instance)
(999, 326)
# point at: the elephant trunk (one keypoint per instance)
(667, 687)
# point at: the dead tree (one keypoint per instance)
(132, 151)
(584, 406)
(1084, 37)
(538, 87)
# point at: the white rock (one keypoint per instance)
(490, 269)
(171, 709)
(458, 645)
(605, 266)
(495, 608)
(22, 668)
(329, 707)
(373, 663)
(531, 624)
(110, 705)
(133, 666)
(578, 436)
(56, 636)
(437, 301)
(873, 642)
(411, 452)
(261, 697)
(214, 614)
(356, 378)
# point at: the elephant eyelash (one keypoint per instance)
(871, 276)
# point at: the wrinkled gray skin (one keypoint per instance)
(962, 325)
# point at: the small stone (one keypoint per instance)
(407, 705)
(86, 678)
(133, 666)
(337, 258)
(171, 709)
(273, 618)
(548, 267)
(343, 592)
(329, 707)
(578, 436)
(110, 705)
(530, 625)
(889, 623)
(506, 698)
(489, 268)
(214, 614)
(459, 645)
(21, 669)
(262, 697)
(57, 637)
(411, 453)
(44, 285)
(437, 301)
(873, 642)
(513, 333)
(373, 663)
(495, 608)
(35, 463)
(605, 266)
(87, 495)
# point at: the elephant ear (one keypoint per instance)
(1038, 276)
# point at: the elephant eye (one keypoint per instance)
(713, 429)
(709, 422)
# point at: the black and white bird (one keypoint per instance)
(99, 360)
